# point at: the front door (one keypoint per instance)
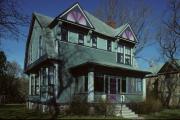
(112, 86)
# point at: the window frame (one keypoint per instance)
(109, 45)
(127, 55)
(94, 41)
(64, 34)
(80, 43)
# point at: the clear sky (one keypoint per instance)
(15, 50)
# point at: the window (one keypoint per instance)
(94, 41)
(123, 85)
(64, 35)
(99, 84)
(51, 75)
(86, 84)
(40, 46)
(43, 76)
(108, 45)
(37, 85)
(138, 85)
(120, 54)
(127, 55)
(32, 85)
(81, 39)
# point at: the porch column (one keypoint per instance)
(144, 88)
(90, 87)
(29, 103)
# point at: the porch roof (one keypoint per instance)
(106, 67)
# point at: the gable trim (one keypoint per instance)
(65, 12)
(131, 31)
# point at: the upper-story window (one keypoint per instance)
(127, 55)
(81, 39)
(94, 41)
(40, 46)
(64, 34)
(120, 54)
(108, 45)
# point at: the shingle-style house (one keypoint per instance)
(89, 57)
(163, 74)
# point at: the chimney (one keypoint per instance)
(111, 22)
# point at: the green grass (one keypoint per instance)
(20, 112)
(164, 114)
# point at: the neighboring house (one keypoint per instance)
(164, 76)
(97, 60)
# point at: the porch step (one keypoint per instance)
(125, 113)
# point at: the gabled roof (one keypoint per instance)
(76, 14)
(98, 25)
(170, 66)
(43, 20)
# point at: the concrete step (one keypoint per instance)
(126, 112)
(131, 117)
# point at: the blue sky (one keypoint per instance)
(15, 50)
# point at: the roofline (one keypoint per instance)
(28, 39)
(90, 62)
(127, 25)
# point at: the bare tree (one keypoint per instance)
(172, 18)
(168, 38)
(136, 14)
(11, 19)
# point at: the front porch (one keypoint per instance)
(95, 87)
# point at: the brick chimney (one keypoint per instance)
(111, 23)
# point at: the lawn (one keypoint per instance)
(20, 112)
(164, 114)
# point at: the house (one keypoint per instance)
(165, 76)
(76, 54)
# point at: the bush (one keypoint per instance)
(78, 107)
(151, 105)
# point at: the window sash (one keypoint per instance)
(120, 57)
(94, 41)
(64, 36)
(81, 39)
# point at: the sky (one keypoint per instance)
(15, 50)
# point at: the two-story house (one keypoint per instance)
(75, 53)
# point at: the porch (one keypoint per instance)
(95, 87)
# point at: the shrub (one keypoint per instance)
(151, 105)
(78, 107)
